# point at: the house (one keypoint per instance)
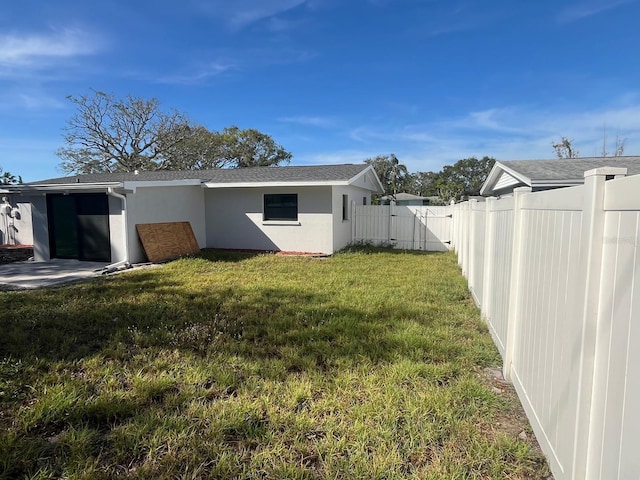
(548, 174)
(294, 208)
(408, 199)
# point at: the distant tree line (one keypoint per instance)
(111, 134)
(454, 182)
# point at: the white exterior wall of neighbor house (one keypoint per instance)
(17, 229)
(342, 228)
(163, 204)
(234, 219)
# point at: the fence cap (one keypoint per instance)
(605, 171)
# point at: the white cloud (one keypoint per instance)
(336, 157)
(26, 100)
(40, 49)
(582, 10)
(517, 132)
(312, 121)
(242, 13)
(37, 101)
(199, 75)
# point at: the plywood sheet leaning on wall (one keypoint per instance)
(166, 241)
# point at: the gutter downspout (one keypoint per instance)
(125, 261)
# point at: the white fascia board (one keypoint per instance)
(494, 175)
(516, 174)
(63, 187)
(375, 175)
(557, 183)
(274, 184)
(132, 184)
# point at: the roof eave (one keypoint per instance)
(489, 184)
(364, 172)
(133, 184)
(557, 183)
(61, 187)
(279, 183)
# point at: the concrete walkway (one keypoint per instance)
(42, 274)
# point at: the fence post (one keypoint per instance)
(471, 270)
(391, 203)
(453, 234)
(489, 260)
(593, 219)
(517, 271)
(466, 229)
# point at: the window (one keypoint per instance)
(364, 200)
(345, 207)
(281, 206)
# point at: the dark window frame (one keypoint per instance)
(280, 207)
(345, 208)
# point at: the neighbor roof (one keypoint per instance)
(406, 196)
(538, 174)
(311, 173)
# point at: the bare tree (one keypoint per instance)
(108, 134)
(619, 152)
(619, 146)
(564, 148)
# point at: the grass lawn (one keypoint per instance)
(364, 365)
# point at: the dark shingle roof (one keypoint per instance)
(312, 173)
(569, 168)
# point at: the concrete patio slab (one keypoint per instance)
(31, 275)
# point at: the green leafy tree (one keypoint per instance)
(230, 148)
(462, 179)
(393, 175)
(422, 184)
(6, 178)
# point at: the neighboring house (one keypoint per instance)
(408, 199)
(15, 222)
(93, 217)
(548, 174)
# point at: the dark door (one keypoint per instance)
(79, 226)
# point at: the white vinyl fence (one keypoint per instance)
(555, 275)
(426, 228)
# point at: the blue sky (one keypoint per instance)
(332, 81)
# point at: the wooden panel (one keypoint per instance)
(166, 241)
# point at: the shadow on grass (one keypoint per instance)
(305, 327)
(139, 332)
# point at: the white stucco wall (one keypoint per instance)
(40, 226)
(342, 228)
(116, 229)
(164, 204)
(234, 219)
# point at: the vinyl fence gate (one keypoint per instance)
(427, 228)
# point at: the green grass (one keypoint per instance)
(366, 365)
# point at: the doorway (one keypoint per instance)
(79, 226)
